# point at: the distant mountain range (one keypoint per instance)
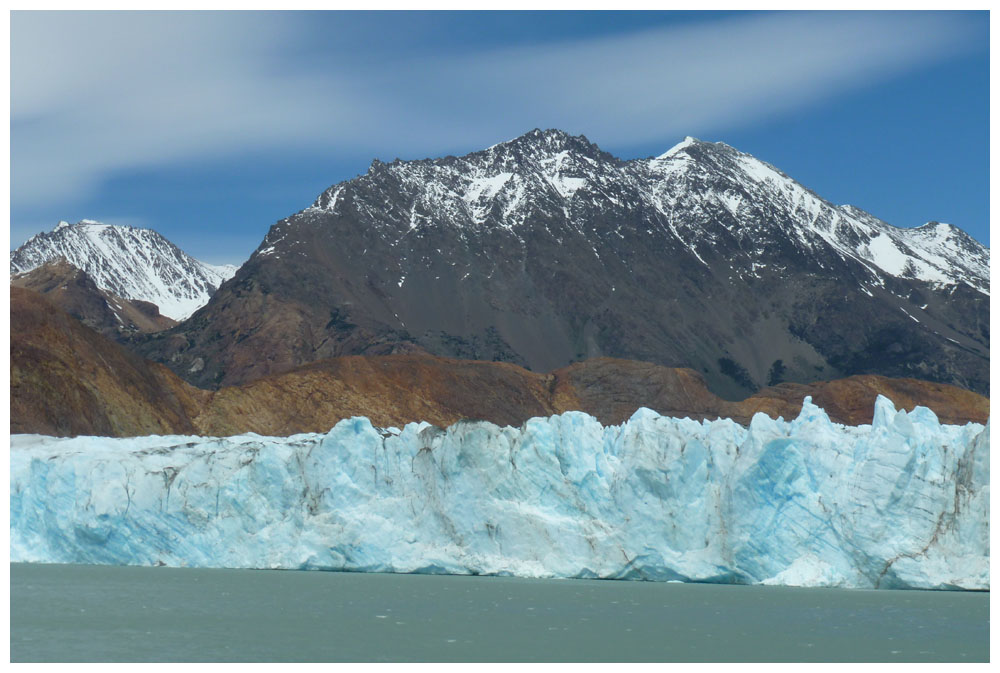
(130, 263)
(545, 250)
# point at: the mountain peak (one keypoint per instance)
(680, 147)
(546, 135)
(63, 224)
(944, 231)
(713, 154)
(134, 264)
(934, 225)
(549, 141)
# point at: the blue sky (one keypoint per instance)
(211, 126)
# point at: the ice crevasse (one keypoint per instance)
(902, 503)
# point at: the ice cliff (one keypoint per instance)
(901, 503)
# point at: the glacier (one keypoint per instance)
(901, 503)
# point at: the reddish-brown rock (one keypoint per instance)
(72, 290)
(66, 379)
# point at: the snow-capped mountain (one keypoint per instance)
(711, 185)
(546, 250)
(136, 264)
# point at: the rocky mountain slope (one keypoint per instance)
(545, 250)
(75, 292)
(68, 380)
(135, 264)
(393, 390)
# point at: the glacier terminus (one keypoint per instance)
(901, 503)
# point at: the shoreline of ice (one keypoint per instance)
(903, 503)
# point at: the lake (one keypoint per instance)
(115, 613)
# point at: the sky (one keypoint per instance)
(211, 126)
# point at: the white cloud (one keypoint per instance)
(92, 94)
(95, 94)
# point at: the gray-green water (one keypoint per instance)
(110, 613)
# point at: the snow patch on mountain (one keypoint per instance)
(128, 262)
(554, 168)
(481, 191)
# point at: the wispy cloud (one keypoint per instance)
(97, 94)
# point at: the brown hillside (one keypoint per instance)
(66, 379)
(390, 390)
(72, 290)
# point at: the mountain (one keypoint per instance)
(66, 379)
(75, 292)
(69, 380)
(546, 250)
(135, 264)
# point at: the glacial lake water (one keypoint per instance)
(113, 613)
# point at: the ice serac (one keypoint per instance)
(902, 503)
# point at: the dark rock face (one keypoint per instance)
(545, 250)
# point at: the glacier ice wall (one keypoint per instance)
(901, 503)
